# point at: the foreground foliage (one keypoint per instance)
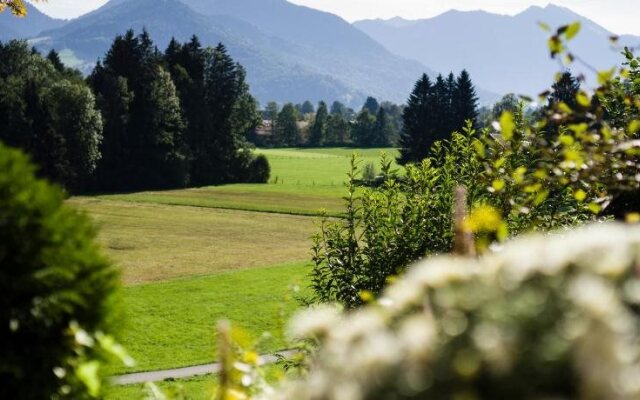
(57, 291)
(550, 316)
(579, 160)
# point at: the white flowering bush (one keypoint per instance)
(548, 316)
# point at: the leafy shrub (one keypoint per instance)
(550, 316)
(409, 217)
(57, 290)
(259, 169)
(575, 163)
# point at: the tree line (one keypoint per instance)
(292, 125)
(143, 119)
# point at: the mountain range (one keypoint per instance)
(503, 54)
(295, 53)
(287, 49)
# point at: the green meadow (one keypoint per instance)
(192, 257)
(303, 182)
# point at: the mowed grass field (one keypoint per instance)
(192, 257)
(156, 242)
(303, 181)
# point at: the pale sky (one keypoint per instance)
(618, 16)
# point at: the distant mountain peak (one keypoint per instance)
(399, 22)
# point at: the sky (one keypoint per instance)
(618, 16)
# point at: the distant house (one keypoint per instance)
(265, 128)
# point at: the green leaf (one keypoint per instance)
(572, 30)
(567, 140)
(555, 46)
(498, 185)
(545, 27)
(507, 125)
(541, 197)
(605, 76)
(595, 208)
(583, 99)
(580, 195)
(634, 126)
(87, 373)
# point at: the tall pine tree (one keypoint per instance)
(464, 101)
(414, 140)
(144, 129)
(319, 128)
(382, 130)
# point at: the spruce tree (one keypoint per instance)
(414, 141)
(465, 101)
(307, 108)
(319, 127)
(337, 108)
(166, 164)
(114, 98)
(338, 130)
(371, 105)
(363, 131)
(214, 153)
(565, 90)
(383, 130)
(143, 129)
(442, 118)
(55, 60)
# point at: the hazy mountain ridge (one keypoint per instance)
(291, 53)
(498, 50)
(271, 72)
(12, 27)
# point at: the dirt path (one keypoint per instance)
(187, 372)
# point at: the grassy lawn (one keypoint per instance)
(153, 242)
(197, 388)
(172, 324)
(303, 181)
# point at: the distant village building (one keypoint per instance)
(265, 128)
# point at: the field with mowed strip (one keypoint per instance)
(192, 257)
(303, 181)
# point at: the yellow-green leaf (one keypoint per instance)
(367, 296)
(503, 232)
(564, 107)
(605, 76)
(583, 99)
(572, 30)
(507, 125)
(498, 185)
(555, 46)
(545, 27)
(595, 208)
(634, 126)
(567, 140)
(87, 373)
(541, 197)
(580, 195)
